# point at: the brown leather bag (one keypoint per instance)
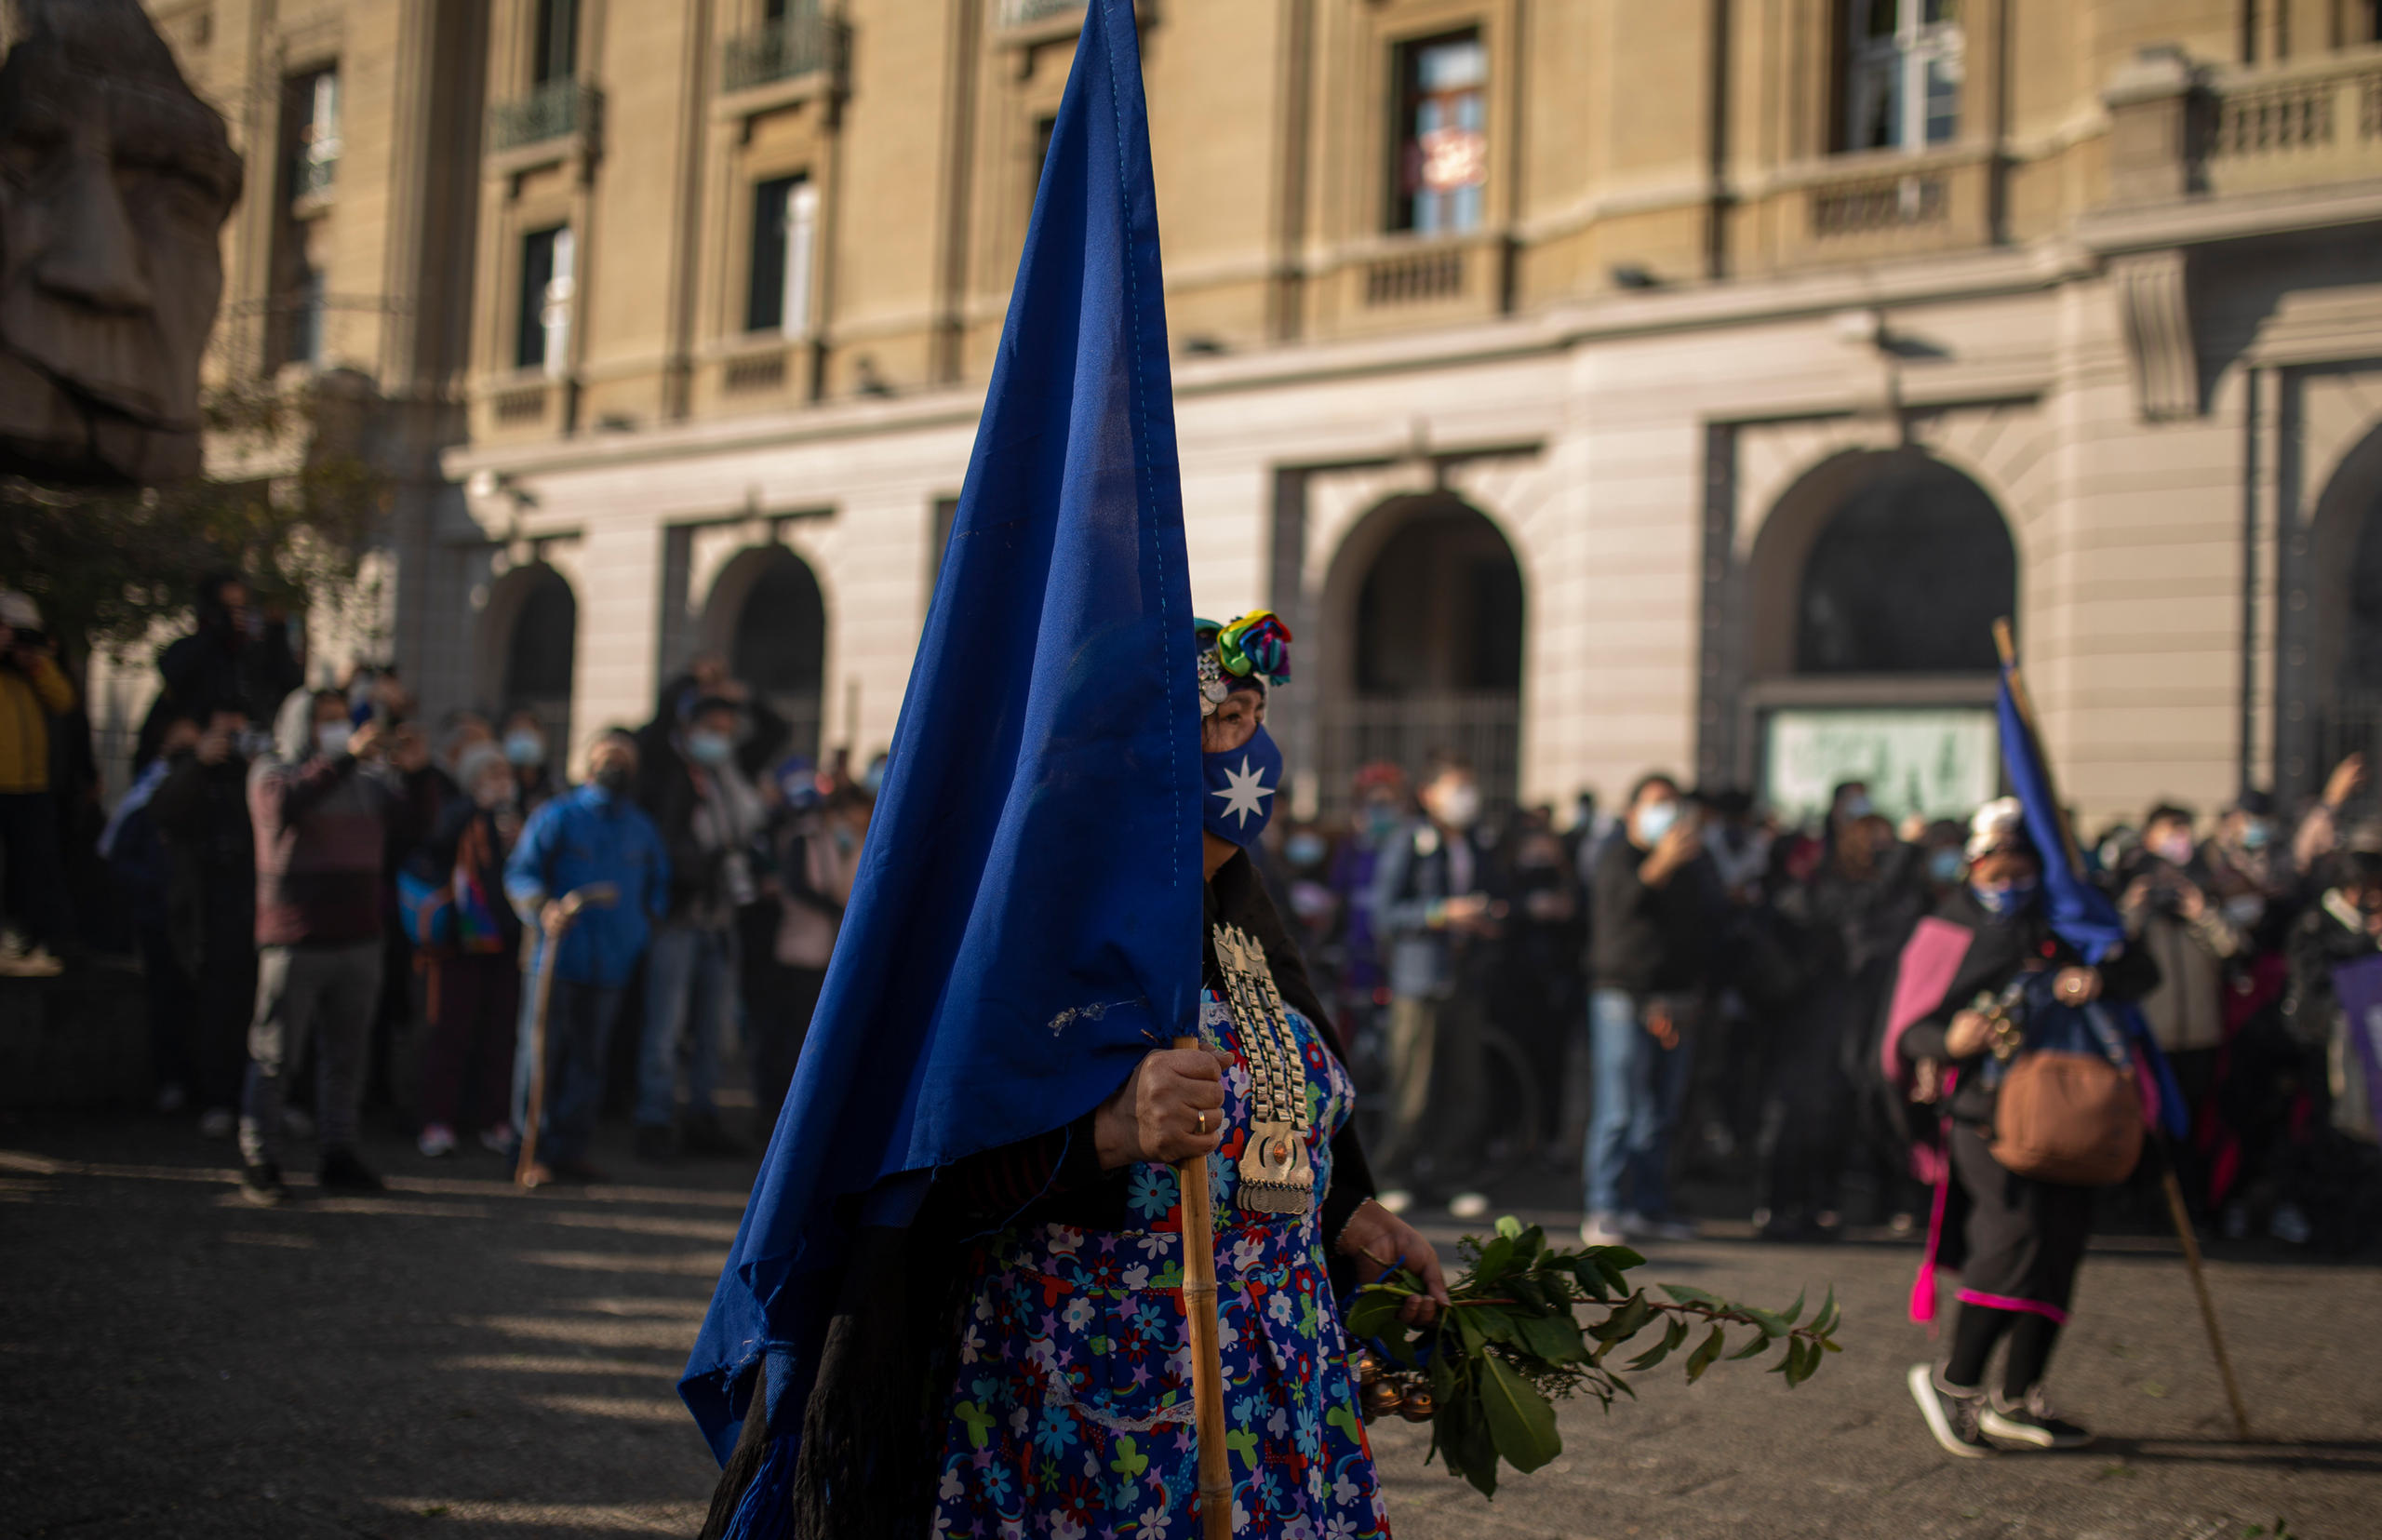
(2070, 1119)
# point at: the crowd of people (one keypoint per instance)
(1680, 986)
(317, 879)
(1686, 985)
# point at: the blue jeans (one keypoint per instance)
(579, 1031)
(690, 988)
(1640, 1085)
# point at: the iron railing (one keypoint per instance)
(556, 110)
(1025, 13)
(1483, 728)
(798, 44)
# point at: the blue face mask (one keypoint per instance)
(1241, 786)
(2256, 835)
(1305, 850)
(1655, 822)
(1382, 820)
(1944, 866)
(525, 748)
(2002, 903)
(709, 749)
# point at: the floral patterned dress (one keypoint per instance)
(1072, 1413)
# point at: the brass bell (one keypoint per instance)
(1382, 1398)
(1369, 1366)
(1417, 1406)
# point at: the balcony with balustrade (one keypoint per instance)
(2292, 125)
(552, 121)
(788, 58)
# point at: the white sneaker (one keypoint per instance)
(217, 1123)
(437, 1140)
(1599, 1229)
(1639, 1227)
(1397, 1200)
(20, 961)
(1469, 1206)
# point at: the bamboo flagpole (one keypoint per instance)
(2177, 1213)
(1206, 1352)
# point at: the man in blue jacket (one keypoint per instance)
(596, 833)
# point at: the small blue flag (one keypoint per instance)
(2081, 913)
(1027, 920)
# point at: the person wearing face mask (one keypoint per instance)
(594, 833)
(524, 742)
(473, 984)
(2165, 903)
(1383, 806)
(1436, 916)
(322, 808)
(700, 795)
(2016, 1241)
(817, 853)
(1647, 968)
(2246, 870)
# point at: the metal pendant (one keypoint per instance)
(1275, 1176)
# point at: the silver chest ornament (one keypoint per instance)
(1275, 1174)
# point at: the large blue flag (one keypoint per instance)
(2080, 913)
(1027, 920)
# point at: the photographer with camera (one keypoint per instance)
(33, 903)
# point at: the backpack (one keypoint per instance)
(2069, 1111)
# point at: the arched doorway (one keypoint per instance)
(776, 636)
(541, 649)
(2329, 682)
(1876, 583)
(1425, 656)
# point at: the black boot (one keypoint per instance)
(342, 1172)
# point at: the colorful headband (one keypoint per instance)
(1257, 645)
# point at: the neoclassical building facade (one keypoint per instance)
(1594, 386)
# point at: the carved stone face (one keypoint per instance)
(114, 183)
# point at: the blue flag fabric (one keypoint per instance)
(2081, 913)
(1027, 920)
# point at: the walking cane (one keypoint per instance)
(2176, 1212)
(1207, 1354)
(595, 895)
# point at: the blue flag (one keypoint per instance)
(2081, 913)
(1027, 920)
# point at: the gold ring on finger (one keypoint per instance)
(1203, 1121)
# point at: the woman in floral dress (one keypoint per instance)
(1070, 1412)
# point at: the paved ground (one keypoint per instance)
(457, 1359)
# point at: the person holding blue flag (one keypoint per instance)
(2021, 975)
(956, 1301)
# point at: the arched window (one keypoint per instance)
(545, 636)
(779, 645)
(1908, 577)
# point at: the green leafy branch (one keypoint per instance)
(1512, 1343)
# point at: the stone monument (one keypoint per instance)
(114, 183)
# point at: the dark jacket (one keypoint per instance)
(666, 790)
(322, 831)
(2000, 952)
(467, 836)
(1648, 940)
(1412, 877)
(2319, 942)
(203, 811)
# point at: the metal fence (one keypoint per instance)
(554, 110)
(797, 43)
(1480, 727)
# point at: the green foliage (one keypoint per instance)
(282, 506)
(1514, 1342)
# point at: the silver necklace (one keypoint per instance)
(1275, 1174)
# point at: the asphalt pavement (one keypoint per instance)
(455, 1358)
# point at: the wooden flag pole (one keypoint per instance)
(1206, 1352)
(2176, 1210)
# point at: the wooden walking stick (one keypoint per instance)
(1207, 1353)
(2176, 1210)
(595, 895)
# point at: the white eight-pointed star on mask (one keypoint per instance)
(1242, 793)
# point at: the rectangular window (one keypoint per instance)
(553, 52)
(785, 221)
(1903, 70)
(1439, 173)
(542, 327)
(306, 318)
(316, 98)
